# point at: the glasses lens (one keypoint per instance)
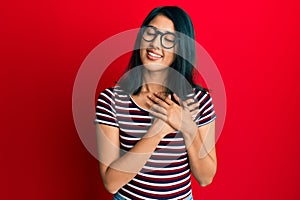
(149, 34)
(168, 40)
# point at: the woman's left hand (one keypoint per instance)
(164, 108)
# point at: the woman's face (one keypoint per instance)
(158, 53)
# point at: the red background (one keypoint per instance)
(254, 44)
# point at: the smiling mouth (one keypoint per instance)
(153, 56)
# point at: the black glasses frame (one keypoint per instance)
(157, 32)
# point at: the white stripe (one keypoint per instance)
(205, 105)
(164, 176)
(160, 192)
(156, 153)
(118, 89)
(199, 111)
(167, 161)
(131, 146)
(122, 101)
(209, 115)
(109, 91)
(135, 123)
(106, 122)
(106, 103)
(122, 95)
(127, 146)
(162, 184)
(172, 139)
(102, 108)
(105, 115)
(198, 94)
(203, 97)
(165, 168)
(129, 138)
(134, 116)
(182, 196)
(190, 95)
(127, 108)
(208, 109)
(133, 130)
(110, 99)
(136, 195)
(202, 124)
(171, 147)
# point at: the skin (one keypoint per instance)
(163, 24)
(116, 170)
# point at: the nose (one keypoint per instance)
(156, 42)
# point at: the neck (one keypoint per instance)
(153, 87)
(154, 81)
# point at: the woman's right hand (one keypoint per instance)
(193, 107)
(159, 128)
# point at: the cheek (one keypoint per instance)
(170, 57)
(143, 44)
(142, 52)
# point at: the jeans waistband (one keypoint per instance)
(118, 196)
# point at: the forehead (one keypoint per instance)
(163, 23)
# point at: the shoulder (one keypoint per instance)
(200, 94)
(206, 112)
(111, 93)
(112, 90)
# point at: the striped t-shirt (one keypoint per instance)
(166, 175)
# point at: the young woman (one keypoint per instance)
(156, 126)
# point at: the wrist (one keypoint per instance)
(154, 133)
(189, 131)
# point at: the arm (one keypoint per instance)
(199, 141)
(202, 153)
(116, 170)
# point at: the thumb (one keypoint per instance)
(177, 98)
(185, 106)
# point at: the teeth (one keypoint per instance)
(154, 55)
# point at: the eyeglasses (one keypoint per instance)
(167, 39)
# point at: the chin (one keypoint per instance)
(150, 66)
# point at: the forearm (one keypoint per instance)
(199, 141)
(125, 168)
(203, 167)
(201, 152)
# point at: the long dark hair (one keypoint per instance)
(133, 79)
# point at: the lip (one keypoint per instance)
(152, 55)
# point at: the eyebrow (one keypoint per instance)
(161, 31)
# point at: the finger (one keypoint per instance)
(185, 106)
(158, 115)
(162, 96)
(194, 106)
(190, 101)
(177, 98)
(157, 108)
(194, 113)
(158, 101)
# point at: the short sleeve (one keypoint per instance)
(206, 112)
(105, 108)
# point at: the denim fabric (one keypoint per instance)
(117, 196)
